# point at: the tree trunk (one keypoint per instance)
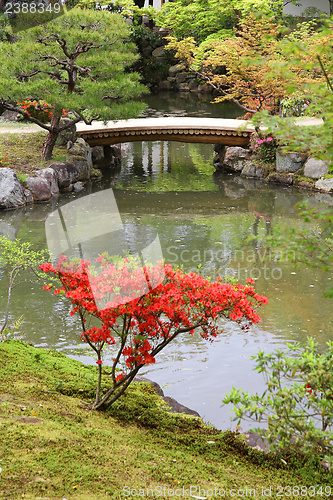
(51, 138)
(331, 7)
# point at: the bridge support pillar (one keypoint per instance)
(112, 153)
(220, 149)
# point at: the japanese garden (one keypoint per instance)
(166, 249)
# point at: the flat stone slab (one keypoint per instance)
(174, 406)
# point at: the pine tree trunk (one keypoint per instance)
(51, 138)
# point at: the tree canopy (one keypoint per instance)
(202, 18)
(76, 62)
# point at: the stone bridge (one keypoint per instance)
(227, 132)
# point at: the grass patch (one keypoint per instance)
(53, 447)
(24, 151)
(300, 178)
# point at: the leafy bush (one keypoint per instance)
(297, 404)
(295, 105)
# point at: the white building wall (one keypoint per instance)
(289, 9)
(322, 5)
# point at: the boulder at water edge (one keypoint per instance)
(39, 188)
(325, 185)
(11, 191)
(80, 154)
(50, 176)
(234, 158)
(289, 162)
(315, 168)
(67, 173)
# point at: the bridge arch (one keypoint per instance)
(228, 132)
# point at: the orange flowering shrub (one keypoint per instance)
(41, 110)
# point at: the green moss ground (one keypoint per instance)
(53, 447)
(24, 149)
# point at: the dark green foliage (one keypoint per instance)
(297, 404)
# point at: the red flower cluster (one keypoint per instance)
(144, 322)
(41, 110)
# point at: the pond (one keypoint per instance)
(203, 222)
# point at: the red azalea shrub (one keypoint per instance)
(41, 110)
(139, 324)
(5, 162)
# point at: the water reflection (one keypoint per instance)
(203, 222)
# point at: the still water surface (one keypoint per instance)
(202, 220)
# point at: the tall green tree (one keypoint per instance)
(202, 18)
(76, 62)
(306, 72)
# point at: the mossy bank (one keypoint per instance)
(53, 447)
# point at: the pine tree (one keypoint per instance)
(77, 62)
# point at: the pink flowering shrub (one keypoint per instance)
(264, 148)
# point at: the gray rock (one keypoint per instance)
(205, 88)
(182, 77)
(69, 134)
(40, 188)
(67, 173)
(183, 87)
(174, 406)
(116, 150)
(251, 170)
(80, 154)
(177, 68)
(68, 189)
(50, 175)
(304, 184)
(325, 185)
(234, 158)
(78, 186)
(164, 85)
(194, 86)
(80, 148)
(290, 162)
(97, 153)
(315, 168)
(11, 191)
(83, 166)
(281, 178)
(159, 53)
(28, 196)
(10, 116)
